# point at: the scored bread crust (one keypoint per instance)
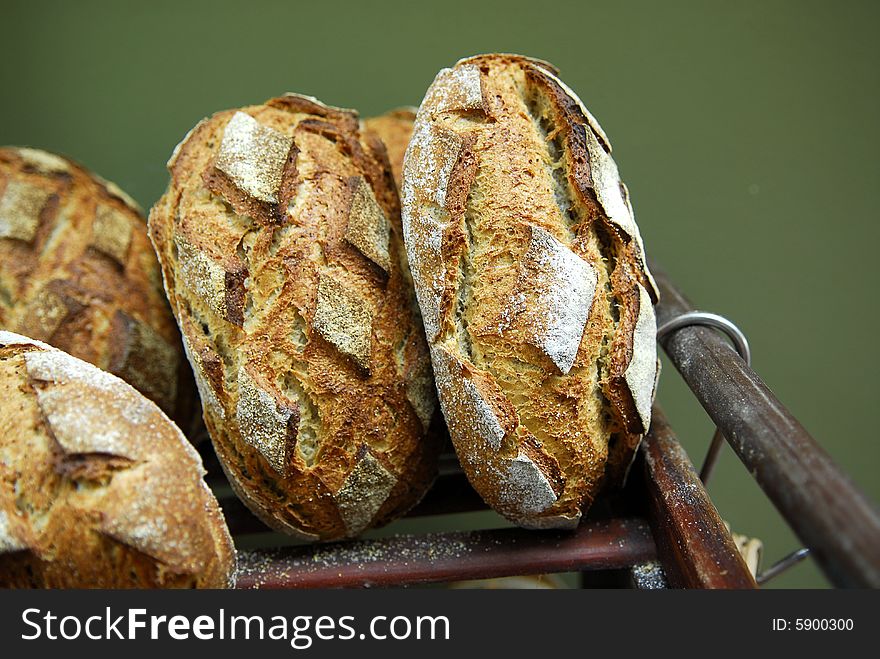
(395, 129)
(279, 238)
(98, 489)
(77, 270)
(531, 277)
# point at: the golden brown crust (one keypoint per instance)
(532, 282)
(394, 128)
(312, 372)
(98, 489)
(77, 270)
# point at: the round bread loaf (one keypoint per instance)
(280, 242)
(531, 277)
(98, 489)
(77, 271)
(394, 128)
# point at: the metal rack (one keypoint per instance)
(661, 530)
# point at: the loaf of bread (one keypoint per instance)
(394, 128)
(280, 243)
(531, 277)
(77, 270)
(98, 489)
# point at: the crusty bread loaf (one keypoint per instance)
(394, 128)
(98, 489)
(280, 242)
(77, 271)
(531, 277)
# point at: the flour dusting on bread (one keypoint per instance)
(253, 156)
(558, 288)
(641, 372)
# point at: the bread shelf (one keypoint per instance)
(664, 514)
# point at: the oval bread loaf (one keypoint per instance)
(98, 489)
(531, 277)
(394, 128)
(77, 270)
(281, 248)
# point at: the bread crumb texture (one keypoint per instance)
(531, 277)
(98, 489)
(77, 270)
(281, 249)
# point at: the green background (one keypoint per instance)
(747, 132)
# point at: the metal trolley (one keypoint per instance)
(662, 530)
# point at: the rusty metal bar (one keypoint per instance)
(693, 544)
(409, 559)
(824, 507)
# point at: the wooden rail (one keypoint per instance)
(693, 543)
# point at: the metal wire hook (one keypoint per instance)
(734, 333)
(782, 565)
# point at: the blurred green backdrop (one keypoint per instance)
(747, 132)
